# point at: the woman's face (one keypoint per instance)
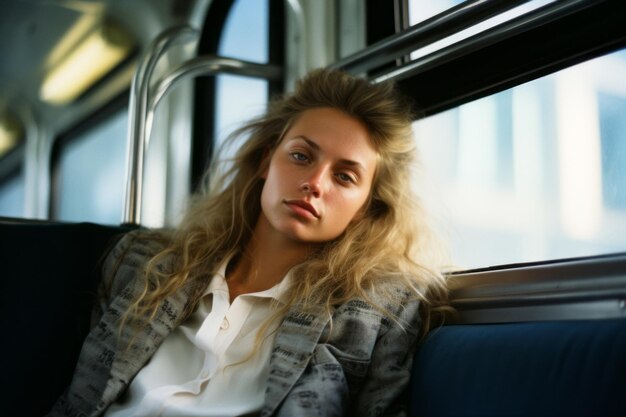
(319, 177)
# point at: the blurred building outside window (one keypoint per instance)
(532, 173)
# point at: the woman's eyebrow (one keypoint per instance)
(315, 146)
(354, 164)
(310, 142)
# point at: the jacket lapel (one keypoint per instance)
(295, 342)
(136, 345)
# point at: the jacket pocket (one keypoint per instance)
(350, 364)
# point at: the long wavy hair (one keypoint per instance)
(391, 242)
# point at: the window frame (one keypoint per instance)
(563, 41)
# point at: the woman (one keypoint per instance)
(294, 288)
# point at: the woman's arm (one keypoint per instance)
(109, 286)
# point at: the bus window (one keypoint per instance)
(239, 99)
(534, 172)
(246, 31)
(89, 174)
(12, 196)
(612, 115)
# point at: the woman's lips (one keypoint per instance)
(303, 208)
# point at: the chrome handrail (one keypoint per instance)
(206, 65)
(510, 28)
(211, 64)
(144, 101)
(579, 288)
(137, 112)
(436, 28)
(295, 6)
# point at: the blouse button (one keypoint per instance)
(224, 324)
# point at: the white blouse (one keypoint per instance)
(195, 372)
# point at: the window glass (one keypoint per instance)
(612, 114)
(12, 196)
(238, 98)
(535, 172)
(90, 176)
(245, 34)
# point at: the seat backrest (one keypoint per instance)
(50, 275)
(564, 368)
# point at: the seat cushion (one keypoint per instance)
(50, 275)
(568, 368)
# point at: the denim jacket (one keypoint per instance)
(360, 365)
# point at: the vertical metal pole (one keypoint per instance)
(137, 113)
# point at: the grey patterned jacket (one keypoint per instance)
(360, 368)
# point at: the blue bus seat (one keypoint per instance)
(564, 368)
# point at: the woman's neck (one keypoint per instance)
(265, 260)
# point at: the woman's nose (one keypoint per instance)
(314, 183)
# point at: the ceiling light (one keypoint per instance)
(91, 59)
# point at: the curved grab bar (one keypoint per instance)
(211, 64)
(137, 111)
(300, 29)
(144, 101)
(205, 65)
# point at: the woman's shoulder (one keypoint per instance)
(394, 290)
(131, 254)
(390, 301)
(138, 245)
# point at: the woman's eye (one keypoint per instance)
(343, 177)
(299, 156)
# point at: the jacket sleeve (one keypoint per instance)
(109, 286)
(385, 389)
(84, 396)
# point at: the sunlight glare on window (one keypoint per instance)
(535, 172)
